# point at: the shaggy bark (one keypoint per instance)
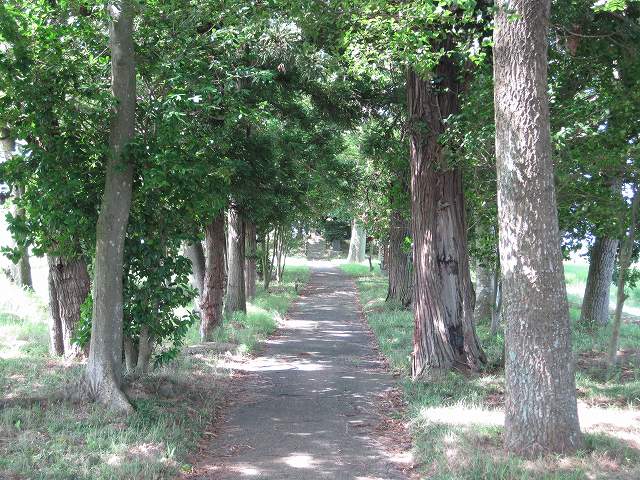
(213, 291)
(602, 260)
(624, 264)
(400, 289)
(104, 369)
(70, 284)
(236, 299)
(21, 271)
(251, 272)
(444, 333)
(358, 242)
(540, 412)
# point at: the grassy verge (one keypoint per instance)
(457, 422)
(174, 404)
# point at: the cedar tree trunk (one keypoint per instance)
(444, 333)
(251, 272)
(236, 299)
(358, 243)
(400, 289)
(213, 289)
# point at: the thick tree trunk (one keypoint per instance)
(541, 410)
(400, 290)
(624, 264)
(21, 272)
(104, 369)
(70, 286)
(444, 334)
(236, 299)
(56, 342)
(213, 292)
(484, 293)
(195, 253)
(602, 260)
(251, 272)
(358, 242)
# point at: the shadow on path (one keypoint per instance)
(307, 409)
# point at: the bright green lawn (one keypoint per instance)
(173, 405)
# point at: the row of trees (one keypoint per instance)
(233, 122)
(470, 101)
(223, 132)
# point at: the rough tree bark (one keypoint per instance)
(541, 410)
(21, 272)
(69, 283)
(213, 290)
(56, 342)
(236, 300)
(358, 242)
(400, 289)
(484, 292)
(602, 260)
(623, 269)
(444, 334)
(251, 272)
(104, 369)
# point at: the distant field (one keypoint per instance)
(576, 276)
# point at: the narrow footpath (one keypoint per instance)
(309, 407)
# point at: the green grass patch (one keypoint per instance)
(173, 404)
(456, 421)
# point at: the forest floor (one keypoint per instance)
(456, 423)
(175, 405)
(315, 403)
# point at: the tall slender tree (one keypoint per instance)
(541, 409)
(104, 369)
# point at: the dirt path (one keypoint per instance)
(308, 407)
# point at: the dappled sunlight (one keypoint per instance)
(462, 415)
(300, 460)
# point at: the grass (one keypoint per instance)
(173, 404)
(456, 422)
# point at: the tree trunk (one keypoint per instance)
(624, 264)
(444, 334)
(104, 369)
(236, 299)
(541, 411)
(213, 293)
(145, 349)
(484, 293)
(602, 259)
(496, 302)
(21, 272)
(358, 242)
(56, 342)
(130, 354)
(195, 253)
(400, 289)
(71, 285)
(251, 274)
